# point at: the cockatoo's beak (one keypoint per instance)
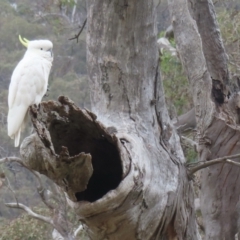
(23, 41)
(50, 50)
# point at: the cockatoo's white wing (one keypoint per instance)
(28, 86)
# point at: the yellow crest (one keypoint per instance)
(23, 41)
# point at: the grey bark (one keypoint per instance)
(186, 122)
(205, 61)
(139, 187)
(213, 48)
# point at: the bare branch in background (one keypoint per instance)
(194, 167)
(80, 31)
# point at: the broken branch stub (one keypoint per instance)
(73, 149)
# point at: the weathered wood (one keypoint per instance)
(186, 121)
(213, 48)
(219, 191)
(56, 161)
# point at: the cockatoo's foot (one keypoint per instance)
(37, 106)
(46, 94)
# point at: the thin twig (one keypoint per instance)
(40, 188)
(81, 29)
(232, 162)
(11, 189)
(30, 212)
(205, 164)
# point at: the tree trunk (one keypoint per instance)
(218, 133)
(219, 195)
(139, 187)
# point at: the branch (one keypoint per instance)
(204, 164)
(186, 121)
(80, 31)
(40, 187)
(80, 228)
(190, 141)
(12, 159)
(232, 162)
(30, 212)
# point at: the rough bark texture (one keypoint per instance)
(214, 51)
(216, 116)
(139, 187)
(191, 53)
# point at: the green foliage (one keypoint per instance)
(190, 154)
(177, 93)
(70, 3)
(175, 84)
(27, 228)
(161, 34)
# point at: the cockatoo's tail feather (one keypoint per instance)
(15, 119)
(17, 138)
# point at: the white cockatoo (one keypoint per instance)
(29, 83)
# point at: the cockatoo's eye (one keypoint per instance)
(41, 48)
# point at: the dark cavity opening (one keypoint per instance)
(89, 138)
(218, 92)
